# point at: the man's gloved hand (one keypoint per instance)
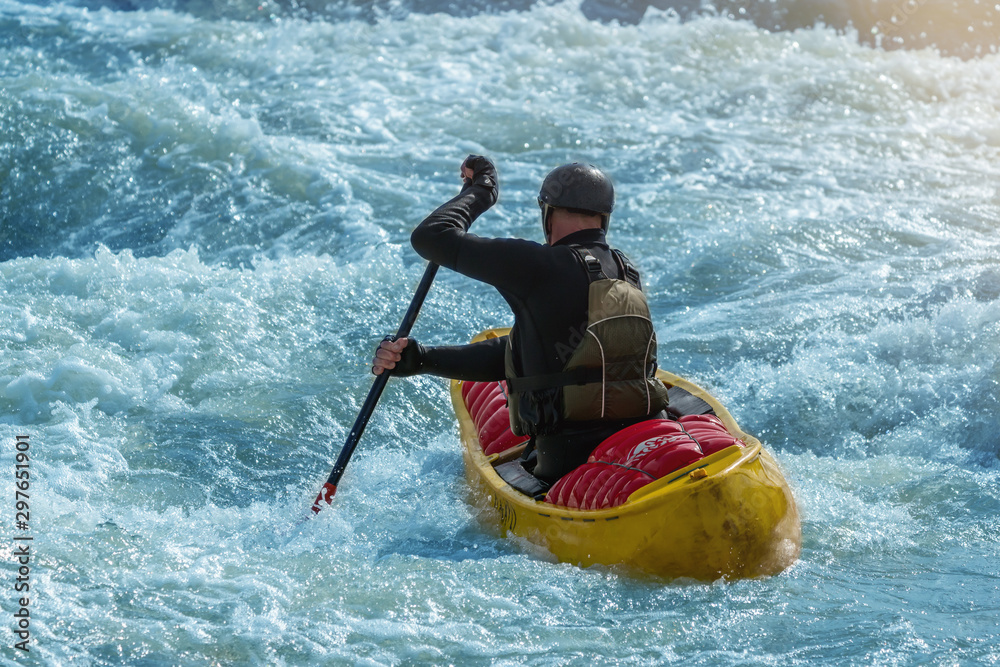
(403, 357)
(478, 170)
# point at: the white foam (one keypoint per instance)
(815, 221)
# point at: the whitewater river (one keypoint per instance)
(204, 219)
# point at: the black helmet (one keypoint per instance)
(578, 187)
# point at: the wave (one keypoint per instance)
(155, 131)
(964, 29)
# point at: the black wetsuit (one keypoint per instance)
(547, 289)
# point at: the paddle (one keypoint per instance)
(330, 488)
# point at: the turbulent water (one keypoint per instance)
(205, 210)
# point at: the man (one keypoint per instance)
(581, 357)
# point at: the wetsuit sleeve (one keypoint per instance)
(438, 237)
(515, 266)
(482, 361)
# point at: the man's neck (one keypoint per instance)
(563, 222)
(589, 236)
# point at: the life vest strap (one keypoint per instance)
(595, 271)
(629, 272)
(552, 380)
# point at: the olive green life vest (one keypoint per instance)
(610, 374)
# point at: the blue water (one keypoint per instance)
(204, 218)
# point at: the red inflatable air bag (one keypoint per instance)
(487, 405)
(637, 455)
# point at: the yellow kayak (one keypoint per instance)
(728, 515)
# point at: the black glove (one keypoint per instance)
(411, 361)
(484, 174)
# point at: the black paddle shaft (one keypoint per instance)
(330, 488)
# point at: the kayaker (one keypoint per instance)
(572, 381)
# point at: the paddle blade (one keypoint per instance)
(325, 495)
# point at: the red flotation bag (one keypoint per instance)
(636, 456)
(624, 462)
(487, 404)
